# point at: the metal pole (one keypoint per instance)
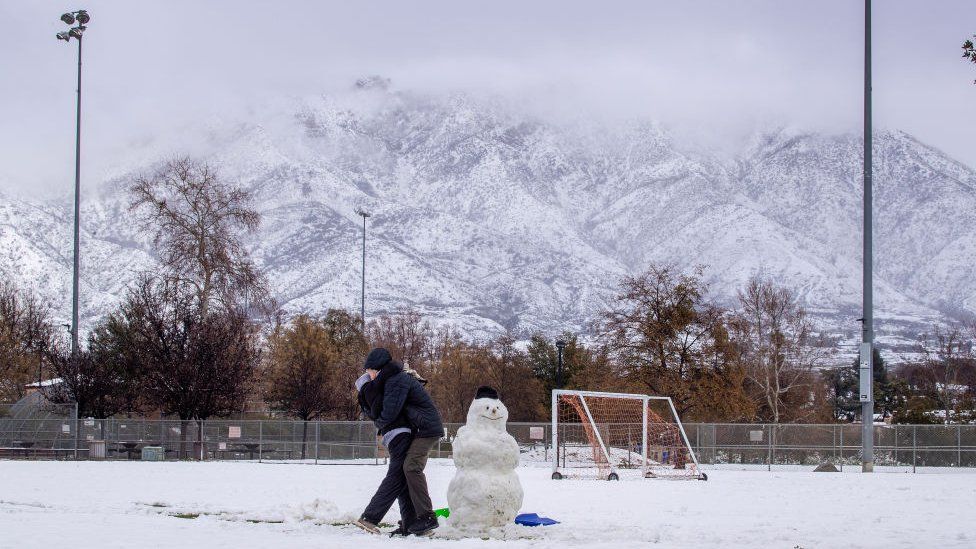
(914, 445)
(364, 214)
(77, 421)
(363, 301)
(560, 345)
(74, 277)
(645, 468)
(867, 329)
(555, 430)
(841, 447)
(260, 442)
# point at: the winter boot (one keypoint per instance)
(361, 522)
(401, 531)
(424, 525)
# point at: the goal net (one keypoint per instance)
(610, 435)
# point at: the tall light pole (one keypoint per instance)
(82, 18)
(364, 214)
(560, 345)
(867, 327)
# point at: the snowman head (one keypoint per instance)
(486, 411)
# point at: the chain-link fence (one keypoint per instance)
(790, 444)
(57, 435)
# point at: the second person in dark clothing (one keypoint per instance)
(404, 393)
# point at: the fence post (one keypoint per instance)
(77, 424)
(769, 450)
(914, 445)
(897, 462)
(697, 444)
(260, 441)
(841, 447)
(317, 425)
(833, 438)
(958, 445)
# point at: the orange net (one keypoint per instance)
(602, 436)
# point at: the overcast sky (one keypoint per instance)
(719, 67)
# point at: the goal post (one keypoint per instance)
(607, 435)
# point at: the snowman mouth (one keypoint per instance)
(491, 418)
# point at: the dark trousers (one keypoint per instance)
(413, 470)
(394, 485)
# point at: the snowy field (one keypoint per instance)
(235, 505)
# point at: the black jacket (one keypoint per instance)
(370, 399)
(404, 395)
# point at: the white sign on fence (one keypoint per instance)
(755, 436)
(537, 433)
(234, 431)
(222, 446)
(65, 428)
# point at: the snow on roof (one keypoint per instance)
(45, 383)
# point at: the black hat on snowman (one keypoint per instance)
(486, 392)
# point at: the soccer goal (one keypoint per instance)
(606, 435)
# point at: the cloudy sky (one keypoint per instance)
(719, 68)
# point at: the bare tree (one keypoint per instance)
(99, 379)
(452, 375)
(190, 364)
(666, 339)
(347, 338)
(405, 334)
(195, 218)
(25, 334)
(312, 364)
(777, 343)
(948, 361)
(507, 369)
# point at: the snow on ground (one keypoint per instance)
(247, 504)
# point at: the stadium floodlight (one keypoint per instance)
(82, 18)
(364, 214)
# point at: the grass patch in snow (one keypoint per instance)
(185, 515)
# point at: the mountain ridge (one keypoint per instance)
(494, 220)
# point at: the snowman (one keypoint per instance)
(485, 492)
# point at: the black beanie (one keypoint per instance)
(486, 392)
(377, 358)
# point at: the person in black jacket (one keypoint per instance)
(404, 393)
(397, 438)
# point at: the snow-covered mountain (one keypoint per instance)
(492, 219)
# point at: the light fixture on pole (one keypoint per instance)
(82, 18)
(364, 214)
(560, 345)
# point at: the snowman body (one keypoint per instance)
(485, 492)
